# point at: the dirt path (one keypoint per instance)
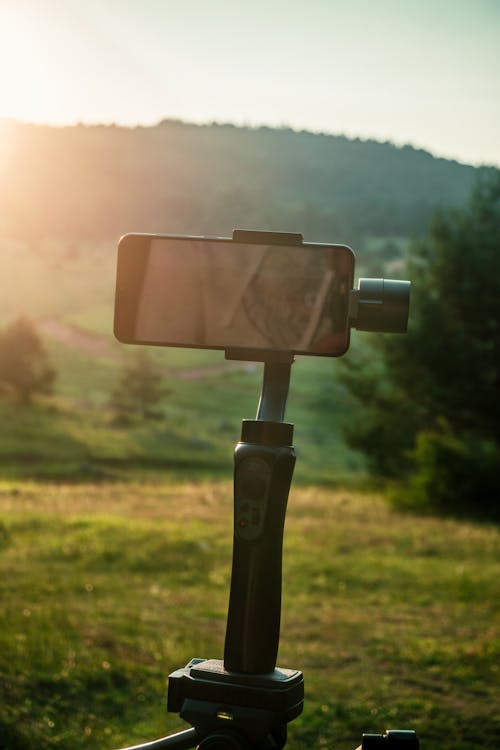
(77, 338)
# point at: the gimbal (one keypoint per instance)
(245, 701)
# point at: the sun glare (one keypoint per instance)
(29, 82)
(6, 137)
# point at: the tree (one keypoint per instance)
(25, 369)
(436, 391)
(139, 390)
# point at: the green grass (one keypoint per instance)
(106, 588)
(62, 442)
(72, 435)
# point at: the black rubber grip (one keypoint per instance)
(262, 478)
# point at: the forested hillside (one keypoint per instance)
(67, 194)
(98, 182)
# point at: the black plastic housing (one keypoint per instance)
(263, 469)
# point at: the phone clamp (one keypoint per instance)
(259, 237)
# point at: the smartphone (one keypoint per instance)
(257, 290)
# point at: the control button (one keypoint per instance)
(256, 516)
(254, 487)
(253, 476)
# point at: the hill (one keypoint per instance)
(98, 182)
(69, 193)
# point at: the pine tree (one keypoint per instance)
(432, 397)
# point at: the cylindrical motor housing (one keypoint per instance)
(381, 305)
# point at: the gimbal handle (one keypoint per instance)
(264, 460)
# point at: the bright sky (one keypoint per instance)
(425, 72)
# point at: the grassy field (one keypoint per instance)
(108, 587)
(71, 435)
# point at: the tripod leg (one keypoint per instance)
(180, 741)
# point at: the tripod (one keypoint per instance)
(244, 702)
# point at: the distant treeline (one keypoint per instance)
(98, 182)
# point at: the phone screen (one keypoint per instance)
(222, 294)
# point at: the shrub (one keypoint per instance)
(25, 369)
(139, 390)
(452, 475)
